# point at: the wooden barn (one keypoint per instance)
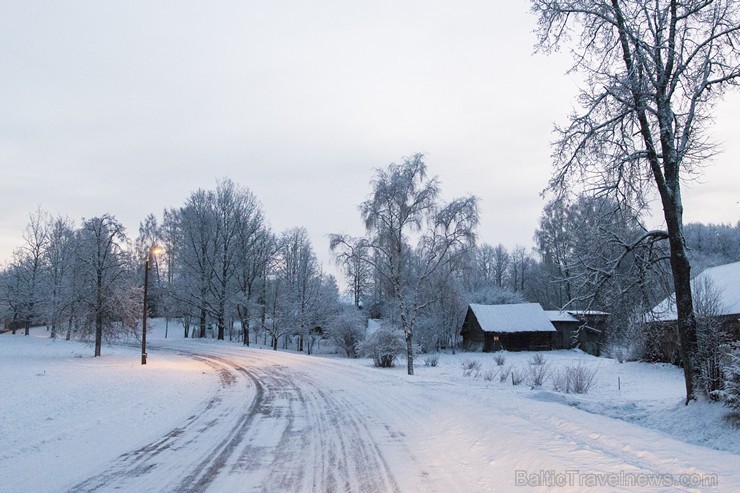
(721, 285)
(583, 329)
(516, 327)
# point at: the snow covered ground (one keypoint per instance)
(210, 415)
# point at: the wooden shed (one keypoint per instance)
(515, 327)
(721, 286)
(578, 328)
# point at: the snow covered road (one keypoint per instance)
(285, 422)
(280, 422)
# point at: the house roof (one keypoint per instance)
(724, 279)
(589, 313)
(520, 317)
(558, 316)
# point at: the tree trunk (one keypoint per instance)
(202, 323)
(409, 353)
(99, 315)
(686, 320)
(220, 323)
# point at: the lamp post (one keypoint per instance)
(154, 250)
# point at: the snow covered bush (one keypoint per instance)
(537, 360)
(500, 358)
(505, 372)
(383, 346)
(711, 337)
(517, 376)
(490, 374)
(538, 371)
(346, 329)
(576, 379)
(471, 367)
(730, 365)
(431, 359)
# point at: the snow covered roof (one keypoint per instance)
(558, 316)
(520, 317)
(725, 279)
(588, 313)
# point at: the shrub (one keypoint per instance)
(537, 360)
(499, 358)
(730, 391)
(431, 359)
(383, 346)
(537, 374)
(471, 367)
(618, 354)
(504, 373)
(490, 374)
(577, 379)
(517, 376)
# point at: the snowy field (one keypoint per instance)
(71, 422)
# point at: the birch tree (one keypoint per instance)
(411, 234)
(653, 71)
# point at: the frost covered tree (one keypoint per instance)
(300, 276)
(108, 291)
(711, 337)
(653, 71)
(256, 247)
(350, 255)
(346, 328)
(30, 260)
(169, 235)
(60, 261)
(412, 234)
(195, 266)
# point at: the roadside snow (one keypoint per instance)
(64, 412)
(647, 394)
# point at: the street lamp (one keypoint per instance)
(154, 250)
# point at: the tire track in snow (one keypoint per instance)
(285, 434)
(319, 442)
(150, 467)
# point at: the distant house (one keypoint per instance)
(526, 326)
(723, 283)
(515, 327)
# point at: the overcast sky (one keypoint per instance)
(127, 107)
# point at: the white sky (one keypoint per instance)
(127, 107)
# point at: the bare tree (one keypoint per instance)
(404, 206)
(350, 255)
(653, 71)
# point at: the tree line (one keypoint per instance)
(224, 273)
